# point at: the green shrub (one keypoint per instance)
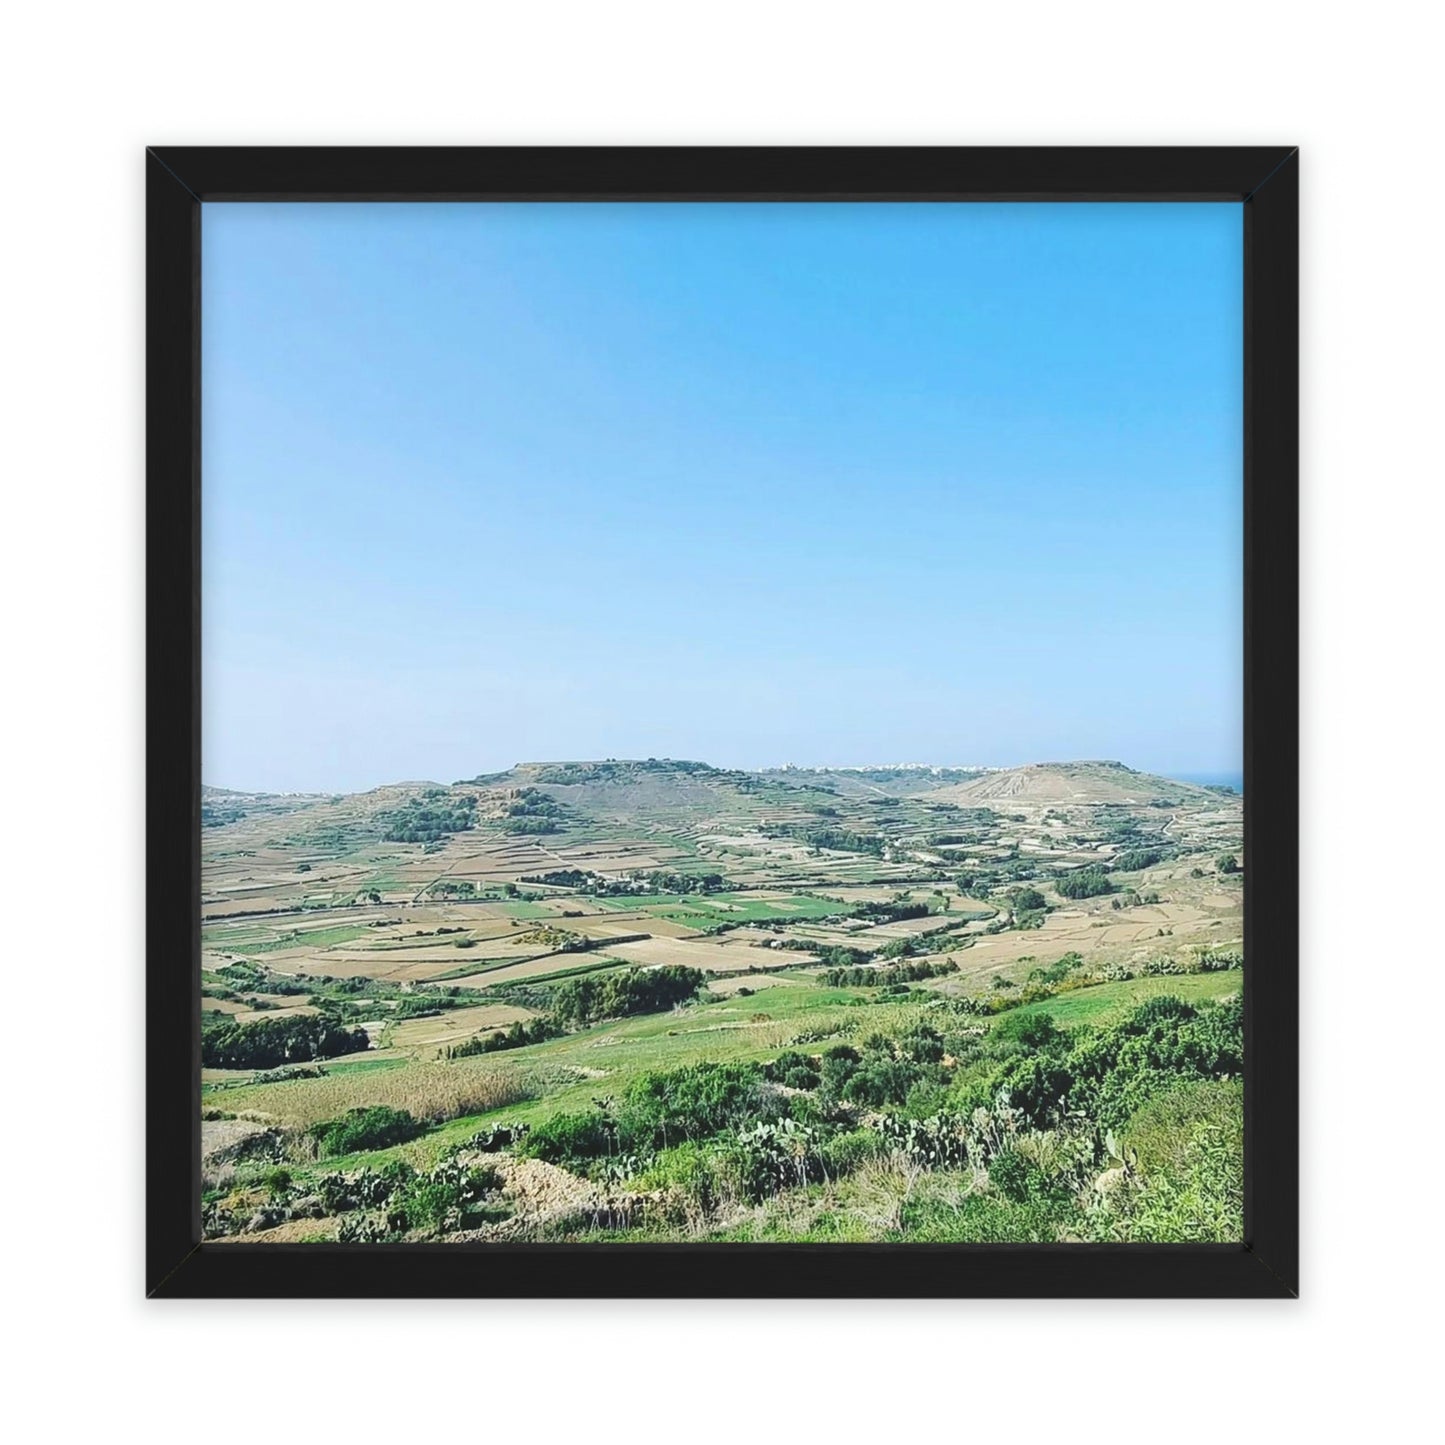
(881, 1081)
(1158, 1133)
(270, 1043)
(447, 1197)
(862, 977)
(376, 1127)
(521, 1033)
(1163, 1043)
(665, 1107)
(1133, 859)
(428, 818)
(1087, 882)
(987, 1217)
(618, 995)
(1033, 1032)
(794, 1070)
(846, 1153)
(565, 1138)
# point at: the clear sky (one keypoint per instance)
(750, 484)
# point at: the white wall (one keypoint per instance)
(88, 87)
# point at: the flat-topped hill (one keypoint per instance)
(1082, 782)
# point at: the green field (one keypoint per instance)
(255, 942)
(704, 910)
(900, 1107)
(523, 908)
(1106, 1003)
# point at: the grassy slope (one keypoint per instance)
(568, 1073)
(1107, 1003)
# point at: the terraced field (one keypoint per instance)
(465, 979)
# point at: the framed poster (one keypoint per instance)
(722, 722)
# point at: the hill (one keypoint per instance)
(1082, 782)
(774, 967)
(630, 788)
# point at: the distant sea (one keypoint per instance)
(1212, 780)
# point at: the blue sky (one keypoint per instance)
(751, 484)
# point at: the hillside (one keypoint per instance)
(1082, 782)
(629, 788)
(794, 971)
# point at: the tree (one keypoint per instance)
(269, 1043)
(1084, 883)
(1226, 863)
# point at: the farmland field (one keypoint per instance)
(719, 1005)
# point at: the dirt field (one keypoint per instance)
(306, 888)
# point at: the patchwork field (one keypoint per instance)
(449, 954)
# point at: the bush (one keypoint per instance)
(1187, 1148)
(270, 1043)
(1035, 1032)
(1087, 882)
(445, 1198)
(884, 977)
(521, 1033)
(880, 1080)
(658, 1111)
(846, 1153)
(663, 1108)
(1133, 859)
(1163, 1043)
(427, 819)
(1218, 961)
(618, 995)
(877, 1077)
(1059, 970)
(1159, 1133)
(794, 1070)
(1226, 863)
(923, 1044)
(377, 1127)
(499, 1136)
(693, 1175)
(565, 1138)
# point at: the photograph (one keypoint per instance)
(722, 723)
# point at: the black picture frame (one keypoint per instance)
(180, 180)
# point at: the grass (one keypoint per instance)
(432, 1091)
(362, 1066)
(523, 908)
(1107, 1003)
(495, 965)
(568, 1073)
(730, 908)
(597, 966)
(705, 910)
(564, 1074)
(304, 938)
(882, 1201)
(219, 936)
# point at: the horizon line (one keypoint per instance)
(1182, 775)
